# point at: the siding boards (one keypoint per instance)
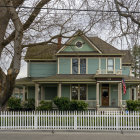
(65, 91)
(117, 63)
(125, 70)
(31, 92)
(64, 66)
(93, 65)
(91, 92)
(50, 92)
(114, 95)
(73, 48)
(40, 69)
(103, 63)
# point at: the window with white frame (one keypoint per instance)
(78, 92)
(110, 65)
(75, 66)
(78, 66)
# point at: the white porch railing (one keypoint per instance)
(71, 120)
(105, 71)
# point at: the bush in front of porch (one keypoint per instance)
(15, 104)
(133, 105)
(44, 106)
(64, 103)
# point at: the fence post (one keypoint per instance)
(35, 121)
(75, 120)
(117, 121)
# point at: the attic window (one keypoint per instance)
(78, 44)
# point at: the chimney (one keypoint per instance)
(59, 42)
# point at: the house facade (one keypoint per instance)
(85, 68)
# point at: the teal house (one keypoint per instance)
(85, 68)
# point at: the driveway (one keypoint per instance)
(45, 135)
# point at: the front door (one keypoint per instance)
(105, 95)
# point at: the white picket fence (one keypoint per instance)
(70, 120)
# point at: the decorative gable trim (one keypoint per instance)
(82, 36)
(86, 38)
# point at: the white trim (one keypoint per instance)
(27, 69)
(92, 44)
(100, 93)
(120, 63)
(106, 65)
(87, 92)
(78, 65)
(70, 92)
(109, 94)
(114, 66)
(86, 65)
(108, 81)
(70, 65)
(82, 36)
(58, 66)
(99, 63)
(81, 43)
(61, 49)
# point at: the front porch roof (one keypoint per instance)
(68, 78)
(25, 80)
(75, 78)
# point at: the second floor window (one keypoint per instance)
(78, 66)
(110, 65)
(74, 66)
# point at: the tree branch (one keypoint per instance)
(27, 24)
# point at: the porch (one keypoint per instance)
(97, 90)
(99, 95)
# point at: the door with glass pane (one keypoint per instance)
(105, 96)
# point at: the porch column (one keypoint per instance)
(137, 91)
(42, 93)
(36, 95)
(24, 88)
(120, 94)
(97, 95)
(59, 90)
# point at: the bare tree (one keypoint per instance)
(23, 26)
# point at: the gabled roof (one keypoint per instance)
(41, 52)
(48, 52)
(79, 33)
(103, 46)
(127, 58)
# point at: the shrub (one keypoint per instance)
(78, 105)
(82, 105)
(44, 105)
(14, 104)
(29, 105)
(133, 105)
(62, 103)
